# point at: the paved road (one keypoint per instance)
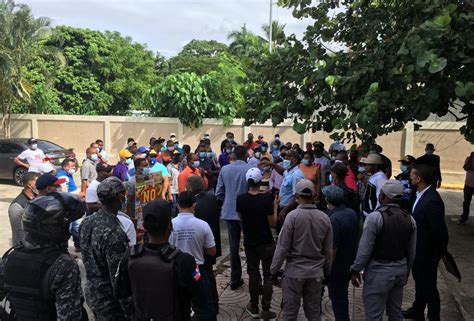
(233, 302)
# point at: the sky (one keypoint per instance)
(166, 25)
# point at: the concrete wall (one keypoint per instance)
(79, 131)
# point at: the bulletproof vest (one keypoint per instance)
(154, 283)
(393, 239)
(26, 280)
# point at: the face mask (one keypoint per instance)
(209, 154)
(146, 171)
(330, 179)
(404, 168)
(228, 151)
(128, 161)
(361, 169)
(333, 157)
(171, 148)
(257, 155)
(207, 137)
(196, 164)
(71, 171)
(94, 157)
(202, 155)
(373, 152)
(264, 149)
(337, 161)
(429, 152)
(286, 163)
(34, 146)
(230, 140)
(338, 141)
(306, 162)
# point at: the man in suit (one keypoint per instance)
(432, 160)
(432, 243)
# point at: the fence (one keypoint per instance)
(79, 131)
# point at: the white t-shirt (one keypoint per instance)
(34, 158)
(91, 192)
(191, 235)
(128, 227)
(174, 173)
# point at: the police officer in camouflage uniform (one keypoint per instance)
(42, 282)
(104, 244)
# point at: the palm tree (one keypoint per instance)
(21, 39)
(278, 33)
(245, 43)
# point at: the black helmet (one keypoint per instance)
(48, 217)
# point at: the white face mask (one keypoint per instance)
(34, 146)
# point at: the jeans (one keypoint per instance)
(293, 289)
(213, 286)
(255, 255)
(74, 228)
(234, 229)
(425, 274)
(383, 289)
(338, 293)
(210, 313)
(468, 191)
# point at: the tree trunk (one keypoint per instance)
(6, 119)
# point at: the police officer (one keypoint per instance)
(164, 281)
(104, 245)
(43, 283)
(386, 253)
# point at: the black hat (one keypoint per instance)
(47, 179)
(157, 208)
(32, 141)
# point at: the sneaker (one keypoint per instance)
(462, 221)
(253, 311)
(268, 315)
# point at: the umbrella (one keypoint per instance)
(451, 266)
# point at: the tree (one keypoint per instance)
(278, 33)
(401, 61)
(198, 56)
(20, 38)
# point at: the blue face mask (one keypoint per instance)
(228, 151)
(202, 155)
(361, 169)
(94, 157)
(209, 154)
(71, 171)
(128, 161)
(286, 163)
(146, 171)
(196, 164)
(306, 162)
(404, 168)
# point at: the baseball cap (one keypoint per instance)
(260, 136)
(152, 152)
(255, 174)
(172, 135)
(124, 153)
(47, 180)
(333, 194)
(157, 208)
(142, 149)
(407, 159)
(103, 167)
(110, 188)
(32, 141)
(372, 159)
(305, 187)
(393, 189)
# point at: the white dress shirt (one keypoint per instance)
(418, 196)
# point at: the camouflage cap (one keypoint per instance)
(109, 188)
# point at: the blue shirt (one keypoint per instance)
(232, 183)
(158, 167)
(288, 186)
(71, 184)
(224, 159)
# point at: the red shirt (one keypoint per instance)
(183, 177)
(351, 180)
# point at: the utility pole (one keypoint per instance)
(270, 42)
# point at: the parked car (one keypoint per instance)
(11, 148)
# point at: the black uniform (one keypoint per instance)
(43, 283)
(409, 191)
(164, 283)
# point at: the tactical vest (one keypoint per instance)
(154, 283)
(26, 277)
(393, 239)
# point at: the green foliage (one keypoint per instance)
(198, 56)
(401, 62)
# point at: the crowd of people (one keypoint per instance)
(310, 219)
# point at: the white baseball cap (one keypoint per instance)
(255, 174)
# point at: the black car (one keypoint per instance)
(11, 148)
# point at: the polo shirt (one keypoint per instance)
(88, 171)
(191, 235)
(288, 186)
(183, 177)
(91, 192)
